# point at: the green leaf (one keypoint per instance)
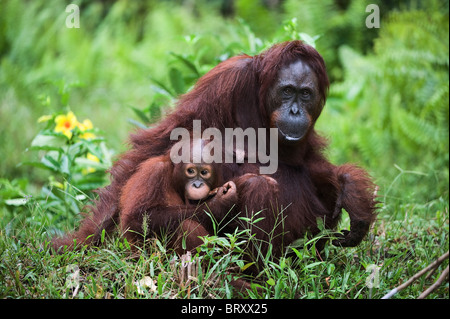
(308, 39)
(176, 80)
(89, 183)
(127, 245)
(299, 254)
(142, 116)
(330, 269)
(312, 265)
(155, 112)
(138, 124)
(85, 162)
(160, 246)
(51, 163)
(160, 284)
(271, 282)
(48, 142)
(293, 275)
(161, 88)
(36, 164)
(258, 220)
(64, 165)
(16, 202)
(228, 291)
(102, 238)
(186, 62)
(246, 266)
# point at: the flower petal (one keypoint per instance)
(44, 118)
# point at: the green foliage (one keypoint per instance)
(261, 18)
(398, 247)
(76, 160)
(336, 23)
(399, 97)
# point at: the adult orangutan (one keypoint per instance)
(285, 88)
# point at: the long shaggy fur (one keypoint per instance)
(233, 94)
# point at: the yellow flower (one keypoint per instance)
(93, 158)
(66, 123)
(86, 125)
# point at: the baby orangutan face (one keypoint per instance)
(199, 179)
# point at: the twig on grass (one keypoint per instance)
(434, 286)
(433, 265)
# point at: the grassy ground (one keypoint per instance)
(399, 247)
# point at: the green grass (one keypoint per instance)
(399, 247)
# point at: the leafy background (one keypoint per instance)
(387, 109)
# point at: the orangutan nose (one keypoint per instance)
(198, 184)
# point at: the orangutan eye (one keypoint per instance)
(305, 93)
(288, 91)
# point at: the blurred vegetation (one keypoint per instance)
(399, 93)
(388, 107)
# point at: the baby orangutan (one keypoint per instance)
(172, 199)
(177, 200)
